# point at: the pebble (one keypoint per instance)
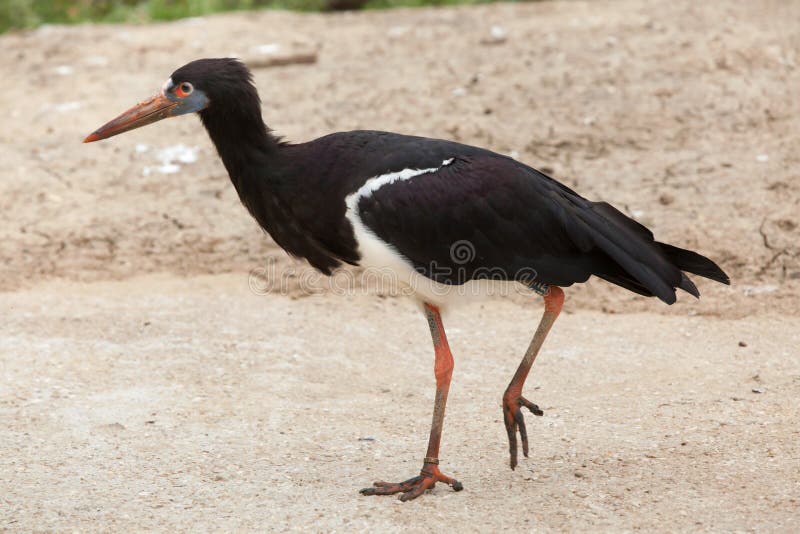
(64, 70)
(497, 35)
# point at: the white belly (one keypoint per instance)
(387, 270)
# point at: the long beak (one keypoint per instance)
(151, 110)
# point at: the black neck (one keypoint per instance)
(242, 139)
(252, 157)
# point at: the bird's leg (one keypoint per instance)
(513, 401)
(430, 474)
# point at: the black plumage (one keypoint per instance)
(520, 222)
(419, 198)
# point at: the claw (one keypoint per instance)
(519, 419)
(389, 488)
(515, 421)
(535, 410)
(413, 487)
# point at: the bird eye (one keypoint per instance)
(184, 89)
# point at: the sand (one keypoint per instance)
(148, 382)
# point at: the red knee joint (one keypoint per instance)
(554, 299)
(512, 392)
(443, 366)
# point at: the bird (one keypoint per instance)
(438, 215)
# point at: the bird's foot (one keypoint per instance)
(414, 487)
(513, 402)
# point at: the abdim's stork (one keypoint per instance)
(438, 214)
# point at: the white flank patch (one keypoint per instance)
(376, 253)
(382, 257)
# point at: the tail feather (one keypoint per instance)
(623, 279)
(631, 247)
(692, 262)
(687, 285)
(638, 262)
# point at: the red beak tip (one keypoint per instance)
(91, 137)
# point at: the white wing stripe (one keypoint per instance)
(373, 250)
(373, 184)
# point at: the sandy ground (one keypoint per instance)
(127, 413)
(147, 383)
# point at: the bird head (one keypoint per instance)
(191, 88)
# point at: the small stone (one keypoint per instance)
(497, 35)
(278, 55)
(757, 390)
(266, 49)
(742, 344)
(113, 427)
(498, 32)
